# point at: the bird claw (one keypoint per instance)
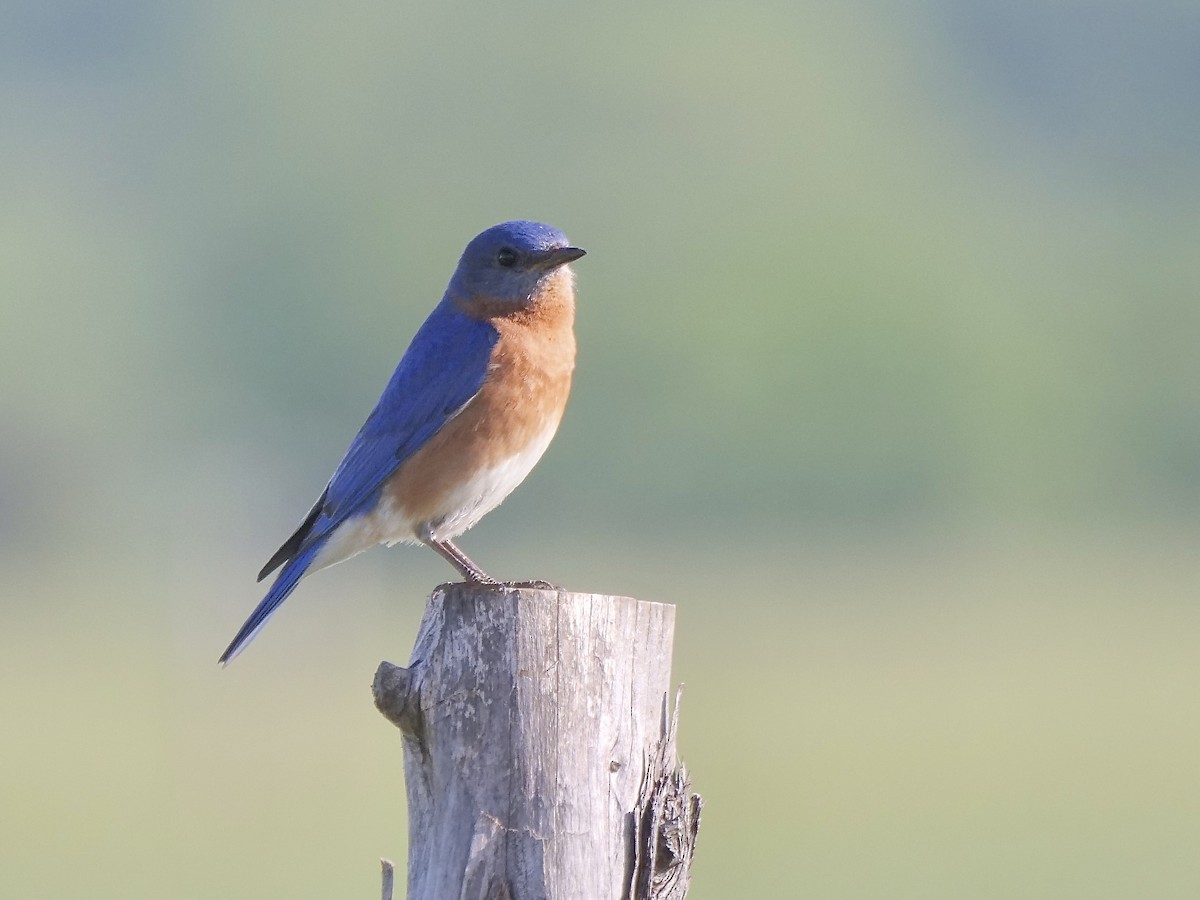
(537, 585)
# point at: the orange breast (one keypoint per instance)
(522, 399)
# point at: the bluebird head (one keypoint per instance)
(510, 261)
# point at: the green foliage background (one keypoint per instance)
(888, 378)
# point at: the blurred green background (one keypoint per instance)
(888, 378)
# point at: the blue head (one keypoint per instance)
(510, 262)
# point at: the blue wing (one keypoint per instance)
(443, 368)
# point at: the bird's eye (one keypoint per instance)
(507, 257)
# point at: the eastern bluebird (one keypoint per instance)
(469, 410)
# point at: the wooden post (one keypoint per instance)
(539, 756)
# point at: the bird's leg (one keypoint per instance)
(463, 563)
(449, 552)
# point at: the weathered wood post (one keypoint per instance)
(539, 756)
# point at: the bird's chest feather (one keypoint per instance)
(474, 461)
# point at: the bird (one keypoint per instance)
(471, 407)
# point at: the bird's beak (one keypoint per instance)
(560, 256)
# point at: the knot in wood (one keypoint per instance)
(396, 696)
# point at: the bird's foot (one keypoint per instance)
(480, 577)
(536, 584)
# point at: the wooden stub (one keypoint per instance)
(388, 872)
(539, 757)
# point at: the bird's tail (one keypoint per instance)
(285, 583)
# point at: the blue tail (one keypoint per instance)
(284, 584)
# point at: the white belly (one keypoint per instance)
(478, 496)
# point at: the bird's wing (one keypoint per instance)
(443, 368)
